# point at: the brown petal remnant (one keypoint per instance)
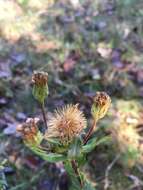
(40, 78)
(101, 104)
(29, 130)
(66, 123)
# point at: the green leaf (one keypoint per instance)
(50, 157)
(75, 149)
(75, 185)
(81, 160)
(56, 145)
(92, 143)
(53, 157)
(74, 182)
(53, 141)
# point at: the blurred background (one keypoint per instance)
(85, 46)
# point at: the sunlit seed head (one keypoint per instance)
(66, 123)
(101, 104)
(101, 99)
(40, 78)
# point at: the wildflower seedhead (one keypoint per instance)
(67, 123)
(101, 103)
(30, 132)
(40, 88)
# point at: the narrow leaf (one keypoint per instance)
(74, 183)
(75, 149)
(93, 143)
(50, 157)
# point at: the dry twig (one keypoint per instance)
(106, 181)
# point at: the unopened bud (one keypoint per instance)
(40, 88)
(101, 104)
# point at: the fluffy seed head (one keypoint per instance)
(66, 123)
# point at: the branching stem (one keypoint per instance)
(89, 133)
(75, 167)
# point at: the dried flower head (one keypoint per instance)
(29, 131)
(40, 78)
(40, 88)
(67, 123)
(101, 104)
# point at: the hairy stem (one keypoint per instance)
(44, 114)
(75, 167)
(89, 133)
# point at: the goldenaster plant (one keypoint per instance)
(67, 137)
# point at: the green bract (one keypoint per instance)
(40, 92)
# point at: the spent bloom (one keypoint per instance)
(66, 123)
(29, 131)
(101, 104)
(40, 88)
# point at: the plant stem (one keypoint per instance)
(75, 167)
(44, 114)
(89, 133)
